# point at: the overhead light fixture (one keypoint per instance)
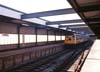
(73, 31)
(69, 29)
(63, 28)
(25, 24)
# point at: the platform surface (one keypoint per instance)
(92, 63)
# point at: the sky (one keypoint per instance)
(31, 6)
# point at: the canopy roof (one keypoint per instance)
(89, 10)
(55, 13)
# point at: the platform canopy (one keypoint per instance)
(89, 10)
(54, 13)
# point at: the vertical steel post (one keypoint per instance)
(47, 35)
(18, 32)
(55, 36)
(36, 35)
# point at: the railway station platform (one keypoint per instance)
(92, 63)
(49, 35)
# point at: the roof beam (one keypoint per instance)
(86, 30)
(62, 26)
(93, 19)
(95, 7)
(78, 27)
(64, 22)
(48, 13)
(94, 24)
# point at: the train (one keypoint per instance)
(74, 38)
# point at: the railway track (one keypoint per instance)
(35, 64)
(65, 65)
(49, 64)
